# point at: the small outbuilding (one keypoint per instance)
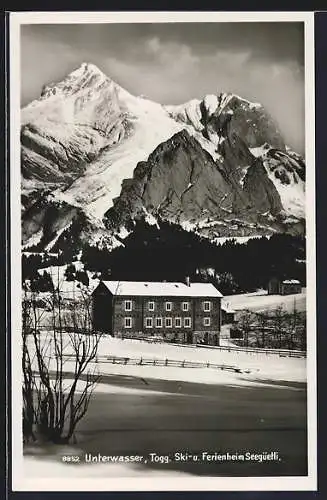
(284, 287)
(288, 287)
(227, 313)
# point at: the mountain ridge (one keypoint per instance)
(85, 137)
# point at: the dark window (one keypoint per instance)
(207, 306)
(187, 322)
(148, 322)
(168, 322)
(178, 322)
(158, 322)
(128, 305)
(128, 322)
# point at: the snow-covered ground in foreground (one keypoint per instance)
(261, 369)
(53, 467)
(260, 300)
(269, 367)
(136, 381)
(261, 366)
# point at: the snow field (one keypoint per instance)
(260, 301)
(256, 366)
(47, 462)
(53, 467)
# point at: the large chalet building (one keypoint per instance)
(182, 312)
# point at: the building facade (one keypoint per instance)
(181, 312)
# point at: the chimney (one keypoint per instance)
(187, 281)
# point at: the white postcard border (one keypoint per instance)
(151, 483)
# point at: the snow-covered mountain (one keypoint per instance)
(97, 157)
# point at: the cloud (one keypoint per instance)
(153, 45)
(171, 72)
(53, 63)
(175, 68)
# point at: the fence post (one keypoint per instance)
(166, 361)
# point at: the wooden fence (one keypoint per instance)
(282, 353)
(142, 361)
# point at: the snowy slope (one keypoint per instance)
(101, 182)
(282, 170)
(85, 114)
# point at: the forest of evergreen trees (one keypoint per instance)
(171, 253)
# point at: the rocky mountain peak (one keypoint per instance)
(86, 76)
(218, 163)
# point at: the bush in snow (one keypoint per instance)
(52, 403)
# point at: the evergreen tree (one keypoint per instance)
(70, 273)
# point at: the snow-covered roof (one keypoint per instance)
(291, 282)
(167, 289)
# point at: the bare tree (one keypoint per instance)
(263, 319)
(28, 377)
(59, 348)
(245, 323)
(297, 329)
(279, 318)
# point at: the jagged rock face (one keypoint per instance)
(46, 219)
(261, 191)
(246, 120)
(218, 164)
(181, 182)
(213, 115)
(242, 132)
(52, 222)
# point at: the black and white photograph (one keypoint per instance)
(163, 251)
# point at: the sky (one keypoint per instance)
(172, 63)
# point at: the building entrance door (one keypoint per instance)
(189, 338)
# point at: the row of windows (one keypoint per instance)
(168, 306)
(158, 322)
